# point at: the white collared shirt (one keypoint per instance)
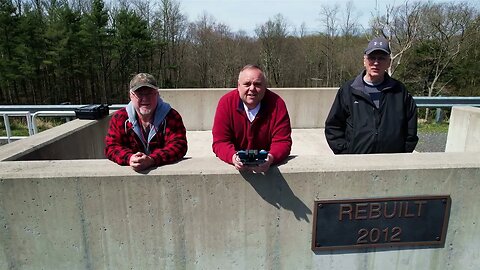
(251, 113)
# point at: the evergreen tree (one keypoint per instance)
(97, 38)
(133, 43)
(9, 40)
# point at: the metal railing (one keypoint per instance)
(446, 102)
(31, 112)
(34, 116)
(6, 121)
(31, 121)
(58, 108)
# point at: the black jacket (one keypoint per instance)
(355, 126)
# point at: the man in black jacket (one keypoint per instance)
(373, 113)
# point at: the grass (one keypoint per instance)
(18, 125)
(432, 127)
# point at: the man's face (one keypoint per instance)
(376, 63)
(251, 87)
(144, 100)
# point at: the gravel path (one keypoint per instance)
(431, 142)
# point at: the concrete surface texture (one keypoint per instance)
(305, 142)
(202, 214)
(464, 130)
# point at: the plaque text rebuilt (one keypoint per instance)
(380, 222)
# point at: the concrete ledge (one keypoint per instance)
(305, 142)
(77, 139)
(464, 130)
(212, 165)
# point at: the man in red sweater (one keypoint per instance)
(251, 117)
(148, 132)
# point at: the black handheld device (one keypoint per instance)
(252, 157)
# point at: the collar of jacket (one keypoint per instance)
(358, 84)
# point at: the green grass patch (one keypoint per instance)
(433, 127)
(18, 125)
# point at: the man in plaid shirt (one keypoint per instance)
(148, 132)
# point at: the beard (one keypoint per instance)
(144, 111)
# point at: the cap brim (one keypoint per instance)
(136, 87)
(377, 49)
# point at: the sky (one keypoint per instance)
(246, 15)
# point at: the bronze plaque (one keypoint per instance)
(380, 222)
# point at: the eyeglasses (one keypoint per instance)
(374, 59)
(146, 94)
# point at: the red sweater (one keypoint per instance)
(270, 130)
(168, 146)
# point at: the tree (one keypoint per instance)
(444, 32)
(98, 39)
(203, 36)
(464, 75)
(54, 51)
(169, 30)
(133, 44)
(33, 71)
(9, 67)
(272, 36)
(63, 53)
(329, 19)
(400, 26)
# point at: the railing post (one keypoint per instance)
(7, 127)
(29, 124)
(439, 116)
(34, 123)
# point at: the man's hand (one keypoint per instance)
(237, 163)
(261, 168)
(139, 161)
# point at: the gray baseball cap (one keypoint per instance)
(143, 80)
(378, 44)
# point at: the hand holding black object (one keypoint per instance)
(252, 160)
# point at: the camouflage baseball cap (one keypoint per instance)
(143, 80)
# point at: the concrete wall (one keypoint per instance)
(202, 214)
(308, 107)
(464, 130)
(77, 139)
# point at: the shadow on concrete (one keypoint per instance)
(148, 170)
(288, 159)
(274, 189)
